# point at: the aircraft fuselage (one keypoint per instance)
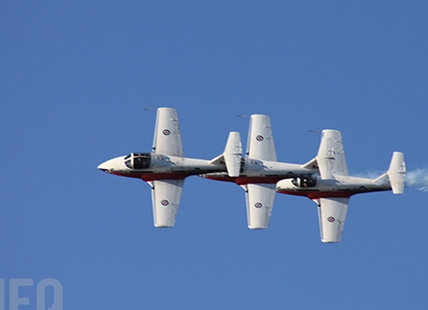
(341, 187)
(151, 166)
(263, 172)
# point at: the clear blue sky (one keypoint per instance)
(75, 79)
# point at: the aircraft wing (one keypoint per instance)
(166, 196)
(167, 139)
(332, 215)
(260, 199)
(331, 155)
(260, 139)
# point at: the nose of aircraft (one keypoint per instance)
(111, 165)
(284, 184)
(104, 167)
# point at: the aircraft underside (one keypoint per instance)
(244, 180)
(155, 176)
(316, 193)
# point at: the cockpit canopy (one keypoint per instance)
(304, 182)
(138, 161)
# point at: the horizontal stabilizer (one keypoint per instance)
(397, 173)
(233, 154)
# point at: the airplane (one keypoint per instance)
(332, 188)
(164, 168)
(259, 171)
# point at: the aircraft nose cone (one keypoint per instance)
(111, 165)
(284, 185)
(103, 167)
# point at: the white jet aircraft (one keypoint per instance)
(259, 171)
(164, 169)
(333, 187)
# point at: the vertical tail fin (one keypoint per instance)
(233, 154)
(397, 173)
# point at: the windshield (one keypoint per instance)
(142, 161)
(138, 161)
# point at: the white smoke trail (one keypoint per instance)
(418, 178)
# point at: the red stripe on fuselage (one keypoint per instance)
(317, 195)
(244, 180)
(155, 176)
(329, 194)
